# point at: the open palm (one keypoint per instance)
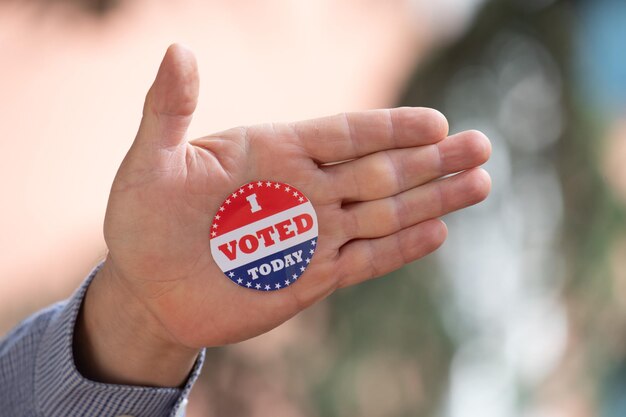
(374, 179)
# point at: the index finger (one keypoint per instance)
(352, 135)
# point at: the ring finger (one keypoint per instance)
(388, 215)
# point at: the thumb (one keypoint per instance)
(171, 100)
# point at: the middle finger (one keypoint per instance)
(390, 172)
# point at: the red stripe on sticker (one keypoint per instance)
(253, 202)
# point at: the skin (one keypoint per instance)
(160, 298)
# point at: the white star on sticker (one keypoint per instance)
(239, 280)
(234, 195)
(241, 191)
(231, 275)
(250, 186)
(294, 276)
(228, 201)
(295, 194)
(311, 251)
(267, 288)
(248, 284)
(215, 226)
(213, 234)
(301, 269)
(287, 189)
(268, 184)
(218, 217)
(301, 199)
(259, 184)
(308, 260)
(313, 242)
(287, 282)
(222, 208)
(257, 286)
(277, 285)
(277, 186)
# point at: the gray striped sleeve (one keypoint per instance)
(38, 376)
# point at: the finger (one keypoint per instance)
(351, 135)
(389, 215)
(360, 260)
(171, 101)
(390, 172)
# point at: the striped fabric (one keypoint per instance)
(38, 376)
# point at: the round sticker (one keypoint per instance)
(264, 235)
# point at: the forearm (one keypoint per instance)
(118, 340)
(38, 375)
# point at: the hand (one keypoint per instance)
(376, 212)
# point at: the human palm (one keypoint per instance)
(374, 179)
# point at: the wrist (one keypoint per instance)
(119, 340)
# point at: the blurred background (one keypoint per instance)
(521, 313)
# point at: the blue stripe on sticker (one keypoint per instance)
(275, 271)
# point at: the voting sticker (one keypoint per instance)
(264, 235)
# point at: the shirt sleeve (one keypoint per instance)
(38, 375)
